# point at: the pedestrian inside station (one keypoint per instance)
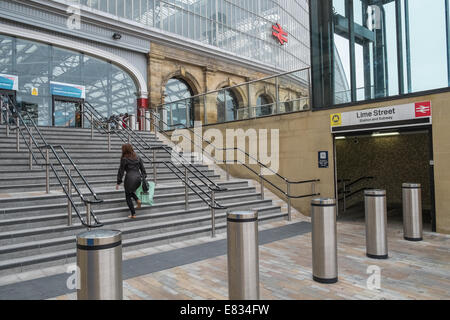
(224, 150)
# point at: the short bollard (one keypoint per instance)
(243, 255)
(99, 262)
(412, 212)
(324, 240)
(376, 224)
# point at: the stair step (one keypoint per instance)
(16, 264)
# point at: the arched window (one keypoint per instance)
(227, 106)
(264, 105)
(288, 106)
(178, 92)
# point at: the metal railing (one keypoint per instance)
(123, 131)
(10, 111)
(261, 178)
(286, 92)
(346, 191)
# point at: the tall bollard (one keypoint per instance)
(324, 240)
(412, 212)
(243, 255)
(99, 262)
(376, 224)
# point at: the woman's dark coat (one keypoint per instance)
(133, 178)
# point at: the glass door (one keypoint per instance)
(67, 112)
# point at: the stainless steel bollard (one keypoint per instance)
(99, 262)
(412, 212)
(243, 255)
(324, 240)
(376, 224)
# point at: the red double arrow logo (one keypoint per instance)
(280, 34)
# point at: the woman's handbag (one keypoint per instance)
(146, 197)
(145, 185)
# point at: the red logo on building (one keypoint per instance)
(423, 109)
(280, 34)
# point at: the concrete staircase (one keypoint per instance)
(33, 225)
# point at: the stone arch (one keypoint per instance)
(187, 77)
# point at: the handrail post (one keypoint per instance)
(154, 167)
(92, 126)
(288, 196)
(17, 134)
(261, 178)
(213, 214)
(88, 214)
(30, 141)
(187, 114)
(69, 204)
(186, 189)
(47, 170)
(7, 121)
(109, 137)
(227, 170)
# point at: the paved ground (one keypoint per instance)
(414, 271)
(197, 269)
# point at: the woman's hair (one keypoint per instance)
(128, 152)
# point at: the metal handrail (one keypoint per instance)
(224, 149)
(354, 182)
(19, 119)
(122, 134)
(238, 85)
(261, 165)
(344, 191)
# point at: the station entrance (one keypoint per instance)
(375, 159)
(67, 112)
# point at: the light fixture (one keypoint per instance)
(117, 36)
(341, 138)
(386, 134)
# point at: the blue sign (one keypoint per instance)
(323, 159)
(67, 90)
(9, 82)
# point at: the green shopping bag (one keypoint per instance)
(146, 197)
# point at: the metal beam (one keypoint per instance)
(447, 22)
(351, 42)
(408, 48)
(398, 21)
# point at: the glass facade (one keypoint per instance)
(108, 88)
(380, 48)
(241, 27)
